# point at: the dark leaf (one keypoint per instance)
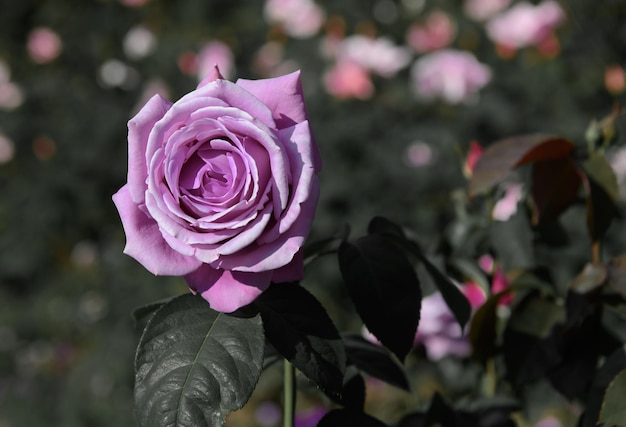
(384, 288)
(483, 328)
(600, 185)
(605, 375)
(501, 157)
(195, 365)
(452, 295)
(353, 393)
(349, 417)
(613, 410)
(141, 315)
(375, 361)
(381, 225)
(555, 187)
(299, 328)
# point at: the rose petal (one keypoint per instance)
(139, 128)
(280, 252)
(226, 291)
(292, 272)
(283, 95)
(145, 243)
(213, 75)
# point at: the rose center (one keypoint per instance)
(207, 174)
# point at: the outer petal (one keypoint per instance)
(139, 128)
(283, 95)
(294, 271)
(145, 243)
(226, 291)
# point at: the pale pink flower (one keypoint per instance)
(139, 42)
(43, 45)
(481, 10)
(436, 32)
(348, 79)
(419, 154)
(378, 55)
(506, 207)
(11, 96)
(298, 18)
(215, 53)
(452, 75)
(525, 24)
(549, 421)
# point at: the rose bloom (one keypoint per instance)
(222, 187)
(452, 75)
(525, 24)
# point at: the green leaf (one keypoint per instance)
(589, 279)
(349, 417)
(381, 225)
(501, 157)
(298, 327)
(555, 187)
(600, 171)
(375, 361)
(384, 288)
(613, 410)
(615, 363)
(512, 241)
(194, 365)
(600, 184)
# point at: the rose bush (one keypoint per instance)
(222, 187)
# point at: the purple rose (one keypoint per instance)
(222, 187)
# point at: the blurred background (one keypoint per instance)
(396, 91)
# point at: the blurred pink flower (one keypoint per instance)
(481, 10)
(419, 154)
(437, 32)
(11, 96)
(378, 55)
(525, 24)
(348, 79)
(452, 75)
(215, 53)
(43, 45)
(310, 417)
(139, 42)
(134, 3)
(506, 207)
(615, 79)
(7, 149)
(298, 18)
(549, 421)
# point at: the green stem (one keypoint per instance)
(290, 395)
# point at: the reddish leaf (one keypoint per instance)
(503, 156)
(555, 187)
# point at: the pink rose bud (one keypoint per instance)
(222, 187)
